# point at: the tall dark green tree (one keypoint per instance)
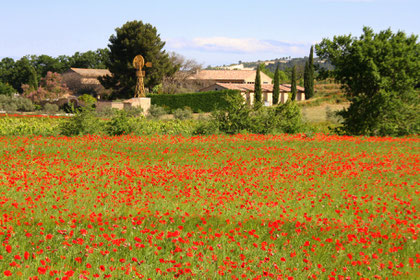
(379, 72)
(293, 86)
(306, 78)
(133, 38)
(309, 75)
(7, 65)
(33, 79)
(276, 86)
(257, 90)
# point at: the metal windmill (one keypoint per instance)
(138, 63)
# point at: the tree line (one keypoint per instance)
(30, 69)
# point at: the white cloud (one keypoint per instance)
(237, 45)
(349, 1)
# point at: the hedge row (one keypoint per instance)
(197, 101)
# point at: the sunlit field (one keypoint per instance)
(217, 207)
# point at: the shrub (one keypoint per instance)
(10, 107)
(235, 117)
(50, 108)
(119, 124)
(87, 100)
(385, 113)
(83, 122)
(206, 128)
(6, 89)
(240, 118)
(290, 117)
(24, 104)
(105, 112)
(134, 111)
(156, 112)
(51, 88)
(197, 101)
(183, 114)
(169, 127)
(263, 121)
(29, 126)
(12, 104)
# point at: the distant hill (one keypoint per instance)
(285, 64)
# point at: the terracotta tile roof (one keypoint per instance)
(91, 73)
(244, 87)
(289, 86)
(250, 87)
(240, 75)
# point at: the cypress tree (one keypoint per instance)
(309, 90)
(257, 89)
(276, 86)
(33, 79)
(293, 88)
(306, 79)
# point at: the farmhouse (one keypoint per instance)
(81, 80)
(230, 76)
(247, 92)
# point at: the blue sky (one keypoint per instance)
(213, 32)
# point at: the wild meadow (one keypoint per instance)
(209, 207)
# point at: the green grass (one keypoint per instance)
(212, 207)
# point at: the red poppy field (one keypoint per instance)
(216, 207)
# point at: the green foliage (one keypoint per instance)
(258, 90)
(33, 79)
(377, 71)
(50, 108)
(385, 113)
(134, 111)
(16, 73)
(290, 117)
(13, 126)
(264, 120)
(306, 78)
(83, 122)
(235, 117)
(309, 75)
(265, 70)
(206, 127)
(132, 39)
(87, 99)
(310, 83)
(6, 89)
(156, 112)
(183, 114)
(276, 86)
(168, 127)
(293, 89)
(239, 117)
(283, 77)
(91, 59)
(197, 101)
(12, 104)
(120, 124)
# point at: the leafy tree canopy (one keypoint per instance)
(378, 71)
(22, 71)
(133, 38)
(6, 89)
(373, 62)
